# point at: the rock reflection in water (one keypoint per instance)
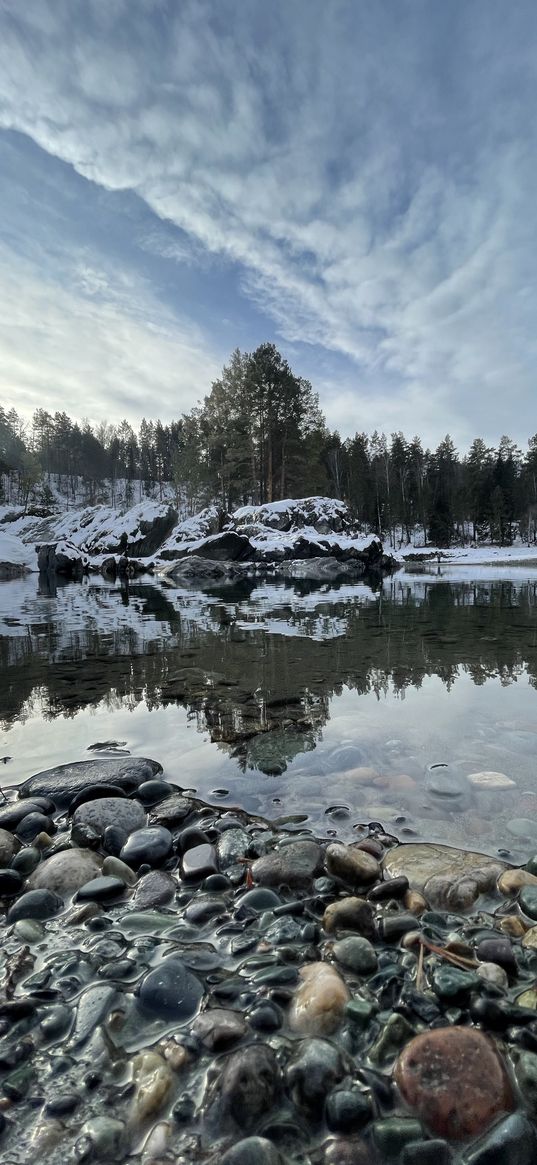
(258, 668)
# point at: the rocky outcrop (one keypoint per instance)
(61, 558)
(225, 547)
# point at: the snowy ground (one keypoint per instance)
(517, 555)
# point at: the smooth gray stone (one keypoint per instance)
(92, 1007)
(152, 845)
(252, 1151)
(117, 811)
(63, 782)
(199, 862)
(170, 991)
(511, 1142)
(40, 904)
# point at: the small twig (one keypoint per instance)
(457, 960)
(419, 973)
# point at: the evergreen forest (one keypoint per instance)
(260, 435)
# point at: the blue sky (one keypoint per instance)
(353, 180)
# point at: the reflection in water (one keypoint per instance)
(259, 668)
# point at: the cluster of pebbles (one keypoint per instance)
(180, 983)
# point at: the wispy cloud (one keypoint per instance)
(369, 170)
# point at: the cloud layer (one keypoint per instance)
(366, 171)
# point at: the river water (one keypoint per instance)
(337, 705)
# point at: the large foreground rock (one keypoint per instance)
(225, 547)
(63, 782)
(61, 558)
(420, 861)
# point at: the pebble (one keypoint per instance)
(153, 1083)
(511, 1142)
(252, 1151)
(455, 1080)
(153, 889)
(248, 1086)
(100, 890)
(152, 791)
(66, 871)
(152, 844)
(172, 810)
(117, 811)
(199, 861)
(8, 847)
(318, 1005)
(10, 883)
(528, 901)
(293, 864)
(491, 780)
(492, 973)
(218, 1028)
(316, 1066)
(256, 901)
(33, 824)
(115, 868)
(170, 991)
(511, 881)
(350, 914)
(39, 904)
(497, 950)
(350, 865)
(434, 1152)
(356, 953)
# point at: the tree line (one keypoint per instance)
(260, 435)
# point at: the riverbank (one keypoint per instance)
(195, 983)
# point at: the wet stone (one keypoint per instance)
(434, 1152)
(511, 1142)
(528, 901)
(154, 889)
(38, 904)
(10, 883)
(110, 811)
(248, 1085)
(347, 1110)
(319, 1003)
(455, 1081)
(353, 866)
(497, 950)
(218, 1029)
(152, 791)
(199, 861)
(63, 782)
(313, 1071)
(66, 871)
(393, 1133)
(391, 888)
(114, 868)
(100, 890)
(172, 810)
(8, 847)
(32, 825)
(294, 864)
(356, 953)
(256, 901)
(350, 914)
(26, 860)
(252, 1151)
(152, 845)
(170, 991)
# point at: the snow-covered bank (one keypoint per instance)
(516, 555)
(150, 535)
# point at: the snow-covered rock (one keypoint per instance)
(61, 558)
(324, 515)
(16, 559)
(209, 521)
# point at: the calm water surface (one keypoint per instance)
(334, 703)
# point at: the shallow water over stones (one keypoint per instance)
(162, 1017)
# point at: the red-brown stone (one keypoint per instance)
(455, 1081)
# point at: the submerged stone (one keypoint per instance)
(318, 1005)
(419, 861)
(455, 1080)
(170, 991)
(39, 904)
(63, 782)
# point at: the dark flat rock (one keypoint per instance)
(63, 782)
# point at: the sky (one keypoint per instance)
(353, 181)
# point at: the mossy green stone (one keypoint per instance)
(450, 982)
(528, 900)
(360, 1011)
(531, 866)
(391, 1134)
(526, 1076)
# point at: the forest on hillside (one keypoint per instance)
(260, 435)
